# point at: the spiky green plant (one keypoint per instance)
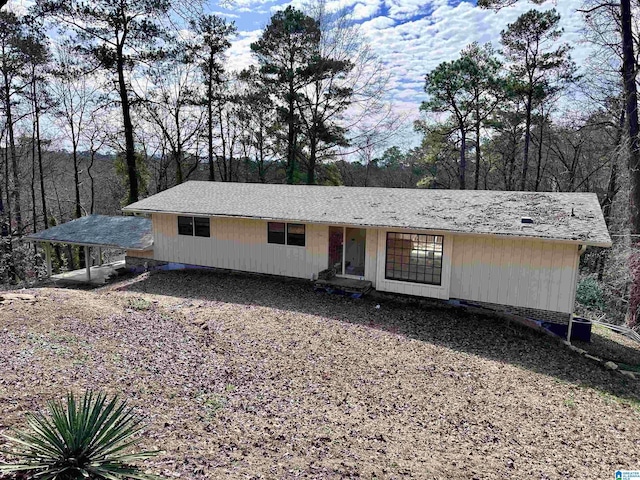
(84, 439)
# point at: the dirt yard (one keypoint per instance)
(248, 377)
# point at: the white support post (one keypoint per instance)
(569, 328)
(47, 253)
(344, 249)
(100, 256)
(87, 262)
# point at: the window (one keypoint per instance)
(295, 234)
(185, 225)
(282, 233)
(275, 233)
(201, 226)
(414, 258)
(198, 226)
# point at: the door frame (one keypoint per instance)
(344, 252)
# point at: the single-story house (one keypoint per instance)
(516, 251)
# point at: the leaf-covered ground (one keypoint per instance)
(249, 377)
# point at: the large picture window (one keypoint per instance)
(281, 233)
(414, 258)
(198, 226)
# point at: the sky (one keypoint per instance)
(411, 37)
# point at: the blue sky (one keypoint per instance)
(411, 37)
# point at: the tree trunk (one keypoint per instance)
(629, 75)
(92, 181)
(13, 156)
(539, 164)
(76, 179)
(223, 141)
(212, 171)
(311, 170)
(179, 174)
(476, 180)
(45, 215)
(261, 172)
(527, 141)
(291, 134)
(130, 153)
(463, 158)
(34, 215)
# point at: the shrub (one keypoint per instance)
(140, 304)
(589, 293)
(79, 440)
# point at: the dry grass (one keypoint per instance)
(246, 377)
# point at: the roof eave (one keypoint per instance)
(459, 232)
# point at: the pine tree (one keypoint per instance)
(286, 52)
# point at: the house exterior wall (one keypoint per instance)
(241, 244)
(371, 257)
(517, 272)
(529, 274)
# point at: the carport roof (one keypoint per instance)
(132, 233)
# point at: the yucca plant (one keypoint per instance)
(84, 439)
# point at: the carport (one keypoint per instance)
(129, 233)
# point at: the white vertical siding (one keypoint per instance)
(241, 244)
(371, 256)
(518, 272)
(507, 271)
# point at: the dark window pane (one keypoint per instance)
(414, 257)
(295, 234)
(185, 225)
(201, 227)
(275, 233)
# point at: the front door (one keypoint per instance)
(347, 250)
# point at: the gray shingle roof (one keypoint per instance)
(562, 216)
(134, 233)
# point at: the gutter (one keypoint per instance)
(364, 225)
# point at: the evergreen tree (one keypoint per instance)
(213, 40)
(286, 52)
(539, 67)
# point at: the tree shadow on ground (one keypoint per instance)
(609, 349)
(434, 322)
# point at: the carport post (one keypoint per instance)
(87, 262)
(47, 254)
(100, 256)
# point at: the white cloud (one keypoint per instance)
(239, 55)
(362, 10)
(412, 48)
(411, 37)
(20, 7)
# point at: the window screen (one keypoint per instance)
(295, 234)
(201, 226)
(185, 225)
(275, 233)
(414, 258)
